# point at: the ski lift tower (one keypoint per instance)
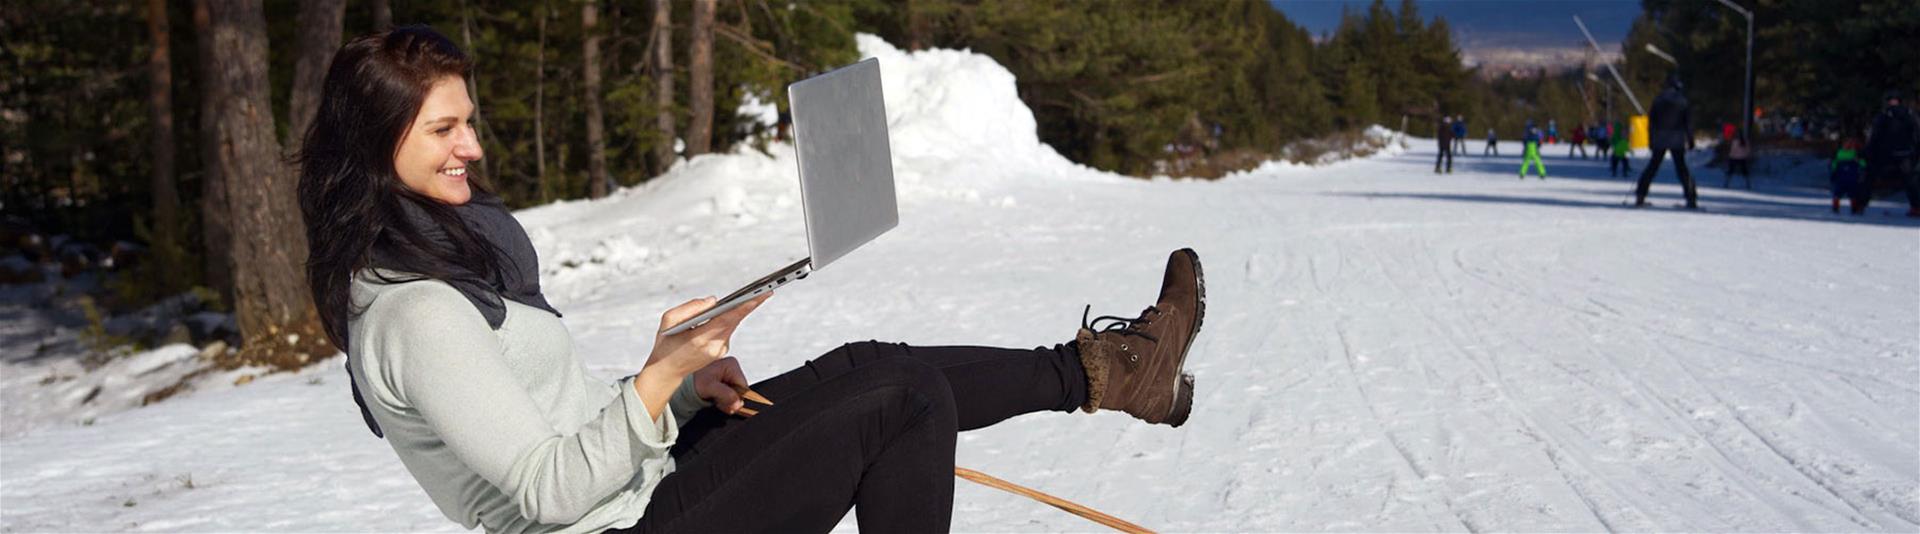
(1639, 120)
(1595, 79)
(1586, 75)
(1746, 120)
(1610, 69)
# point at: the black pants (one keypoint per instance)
(1912, 179)
(1679, 166)
(1742, 167)
(1619, 165)
(1739, 166)
(1896, 172)
(1446, 154)
(1492, 148)
(868, 424)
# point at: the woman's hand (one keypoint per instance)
(695, 349)
(720, 383)
(676, 356)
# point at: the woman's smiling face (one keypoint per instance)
(433, 155)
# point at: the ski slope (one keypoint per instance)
(1386, 349)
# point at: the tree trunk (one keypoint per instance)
(590, 59)
(481, 131)
(539, 106)
(215, 219)
(663, 155)
(611, 24)
(914, 29)
(269, 291)
(166, 199)
(700, 79)
(319, 25)
(382, 15)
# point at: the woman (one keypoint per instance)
(432, 288)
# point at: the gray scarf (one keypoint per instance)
(518, 280)
(487, 217)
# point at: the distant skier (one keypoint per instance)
(1578, 142)
(1672, 124)
(1530, 152)
(1890, 154)
(1844, 173)
(1739, 160)
(1553, 131)
(1446, 136)
(1493, 144)
(1620, 164)
(1460, 133)
(1598, 134)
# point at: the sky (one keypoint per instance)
(1491, 23)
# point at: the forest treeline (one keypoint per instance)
(169, 123)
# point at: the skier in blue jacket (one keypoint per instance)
(1460, 133)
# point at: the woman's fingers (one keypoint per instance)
(731, 375)
(723, 325)
(705, 343)
(727, 400)
(726, 396)
(737, 315)
(684, 311)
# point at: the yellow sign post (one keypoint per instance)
(1638, 138)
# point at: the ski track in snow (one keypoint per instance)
(1386, 349)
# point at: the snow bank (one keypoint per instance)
(958, 111)
(1375, 140)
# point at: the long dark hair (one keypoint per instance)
(350, 195)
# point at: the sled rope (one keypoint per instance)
(990, 481)
(1071, 507)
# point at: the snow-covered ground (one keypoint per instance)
(1386, 349)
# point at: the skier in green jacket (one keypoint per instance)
(1844, 173)
(1530, 152)
(1619, 165)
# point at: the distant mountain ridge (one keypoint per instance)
(1527, 61)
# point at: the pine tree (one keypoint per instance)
(700, 78)
(320, 25)
(661, 70)
(596, 123)
(269, 292)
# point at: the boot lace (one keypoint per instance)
(1121, 325)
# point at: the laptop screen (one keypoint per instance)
(846, 163)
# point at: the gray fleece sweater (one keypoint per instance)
(505, 428)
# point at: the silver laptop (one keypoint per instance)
(846, 174)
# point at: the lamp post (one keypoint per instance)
(1662, 54)
(1746, 124)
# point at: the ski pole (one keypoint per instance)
(990, 481)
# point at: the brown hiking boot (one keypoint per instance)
(1135, 365)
